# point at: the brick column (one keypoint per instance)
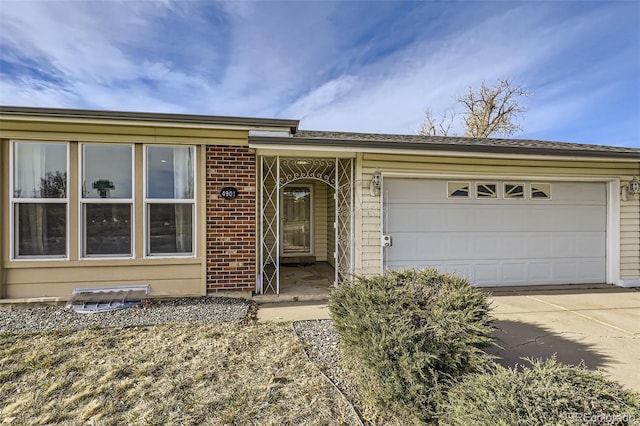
(231, 223)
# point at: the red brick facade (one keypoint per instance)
(231, 223)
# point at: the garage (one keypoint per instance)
(498, 232)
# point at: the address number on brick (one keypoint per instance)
(229, 192)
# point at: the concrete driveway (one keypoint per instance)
(599, 325)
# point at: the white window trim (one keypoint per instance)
(147, 201)
(82, 201)
(13, 202)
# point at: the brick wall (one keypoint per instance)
(231, 223)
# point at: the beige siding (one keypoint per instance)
(320, 221)
(368, 208)
(630, 239)
(165, 279)
(121, 133)
(4, 212)
(331, 231)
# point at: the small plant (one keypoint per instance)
(410, 335)
(546, 392)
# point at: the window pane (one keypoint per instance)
(541, 191)
(486, 190)
(458, 189)
(107, 171)
(40, 170)
(170, 228)
(169, 172)
(513, 190)
(107, 229)
(41, 229)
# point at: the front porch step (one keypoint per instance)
(297, 260)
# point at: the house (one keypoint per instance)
(194, 205)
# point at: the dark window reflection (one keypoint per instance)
(107, 229)
(107, 171)
(169, 172)
(41, 229)
(170, 228)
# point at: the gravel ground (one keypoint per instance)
(205, 310)
(320, 341)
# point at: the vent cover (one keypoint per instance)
(105, 299)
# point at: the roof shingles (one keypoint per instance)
(454, 141)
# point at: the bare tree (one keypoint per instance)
(437, 127)
(489, 111)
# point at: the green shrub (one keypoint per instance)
(409, 335)
(545, 393)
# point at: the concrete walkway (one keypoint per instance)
(291, 311)
(599, 325)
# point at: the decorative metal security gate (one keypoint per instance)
(275, 173)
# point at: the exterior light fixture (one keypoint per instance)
(630, 189)
(376, 183)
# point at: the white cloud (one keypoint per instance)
(337, 66)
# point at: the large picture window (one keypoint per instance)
(39, 199)
(107, 200)
(169, 200)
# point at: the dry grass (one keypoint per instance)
(171, 374)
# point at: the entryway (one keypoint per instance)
(306, 218)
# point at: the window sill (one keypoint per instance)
(46, 263)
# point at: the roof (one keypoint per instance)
(150, 117)
(448, 143)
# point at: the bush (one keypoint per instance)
(409, 335)
(545, 393)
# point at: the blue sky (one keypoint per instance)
(349, 66)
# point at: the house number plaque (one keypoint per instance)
(229, 192)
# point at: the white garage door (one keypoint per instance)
(498, 232)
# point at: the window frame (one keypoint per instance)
(549, 196)
(476, 192)
(147, 201)
(82, 201)
(14, 254)
(505, 195)
(450, 196)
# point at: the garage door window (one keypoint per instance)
(458, 189)
(514, 191)
(540, 191)
(487, 190)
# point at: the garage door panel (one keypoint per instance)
(458, 246)
(588, 270)
(485, 246)
(486, 273)
(499, 242)
(577, 193)
(514, 272)
(460, 269)
(541, 272)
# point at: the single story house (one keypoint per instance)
(194, 205)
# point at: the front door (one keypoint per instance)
(297, 220)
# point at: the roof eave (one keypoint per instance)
(460, 148)
(148, 117)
